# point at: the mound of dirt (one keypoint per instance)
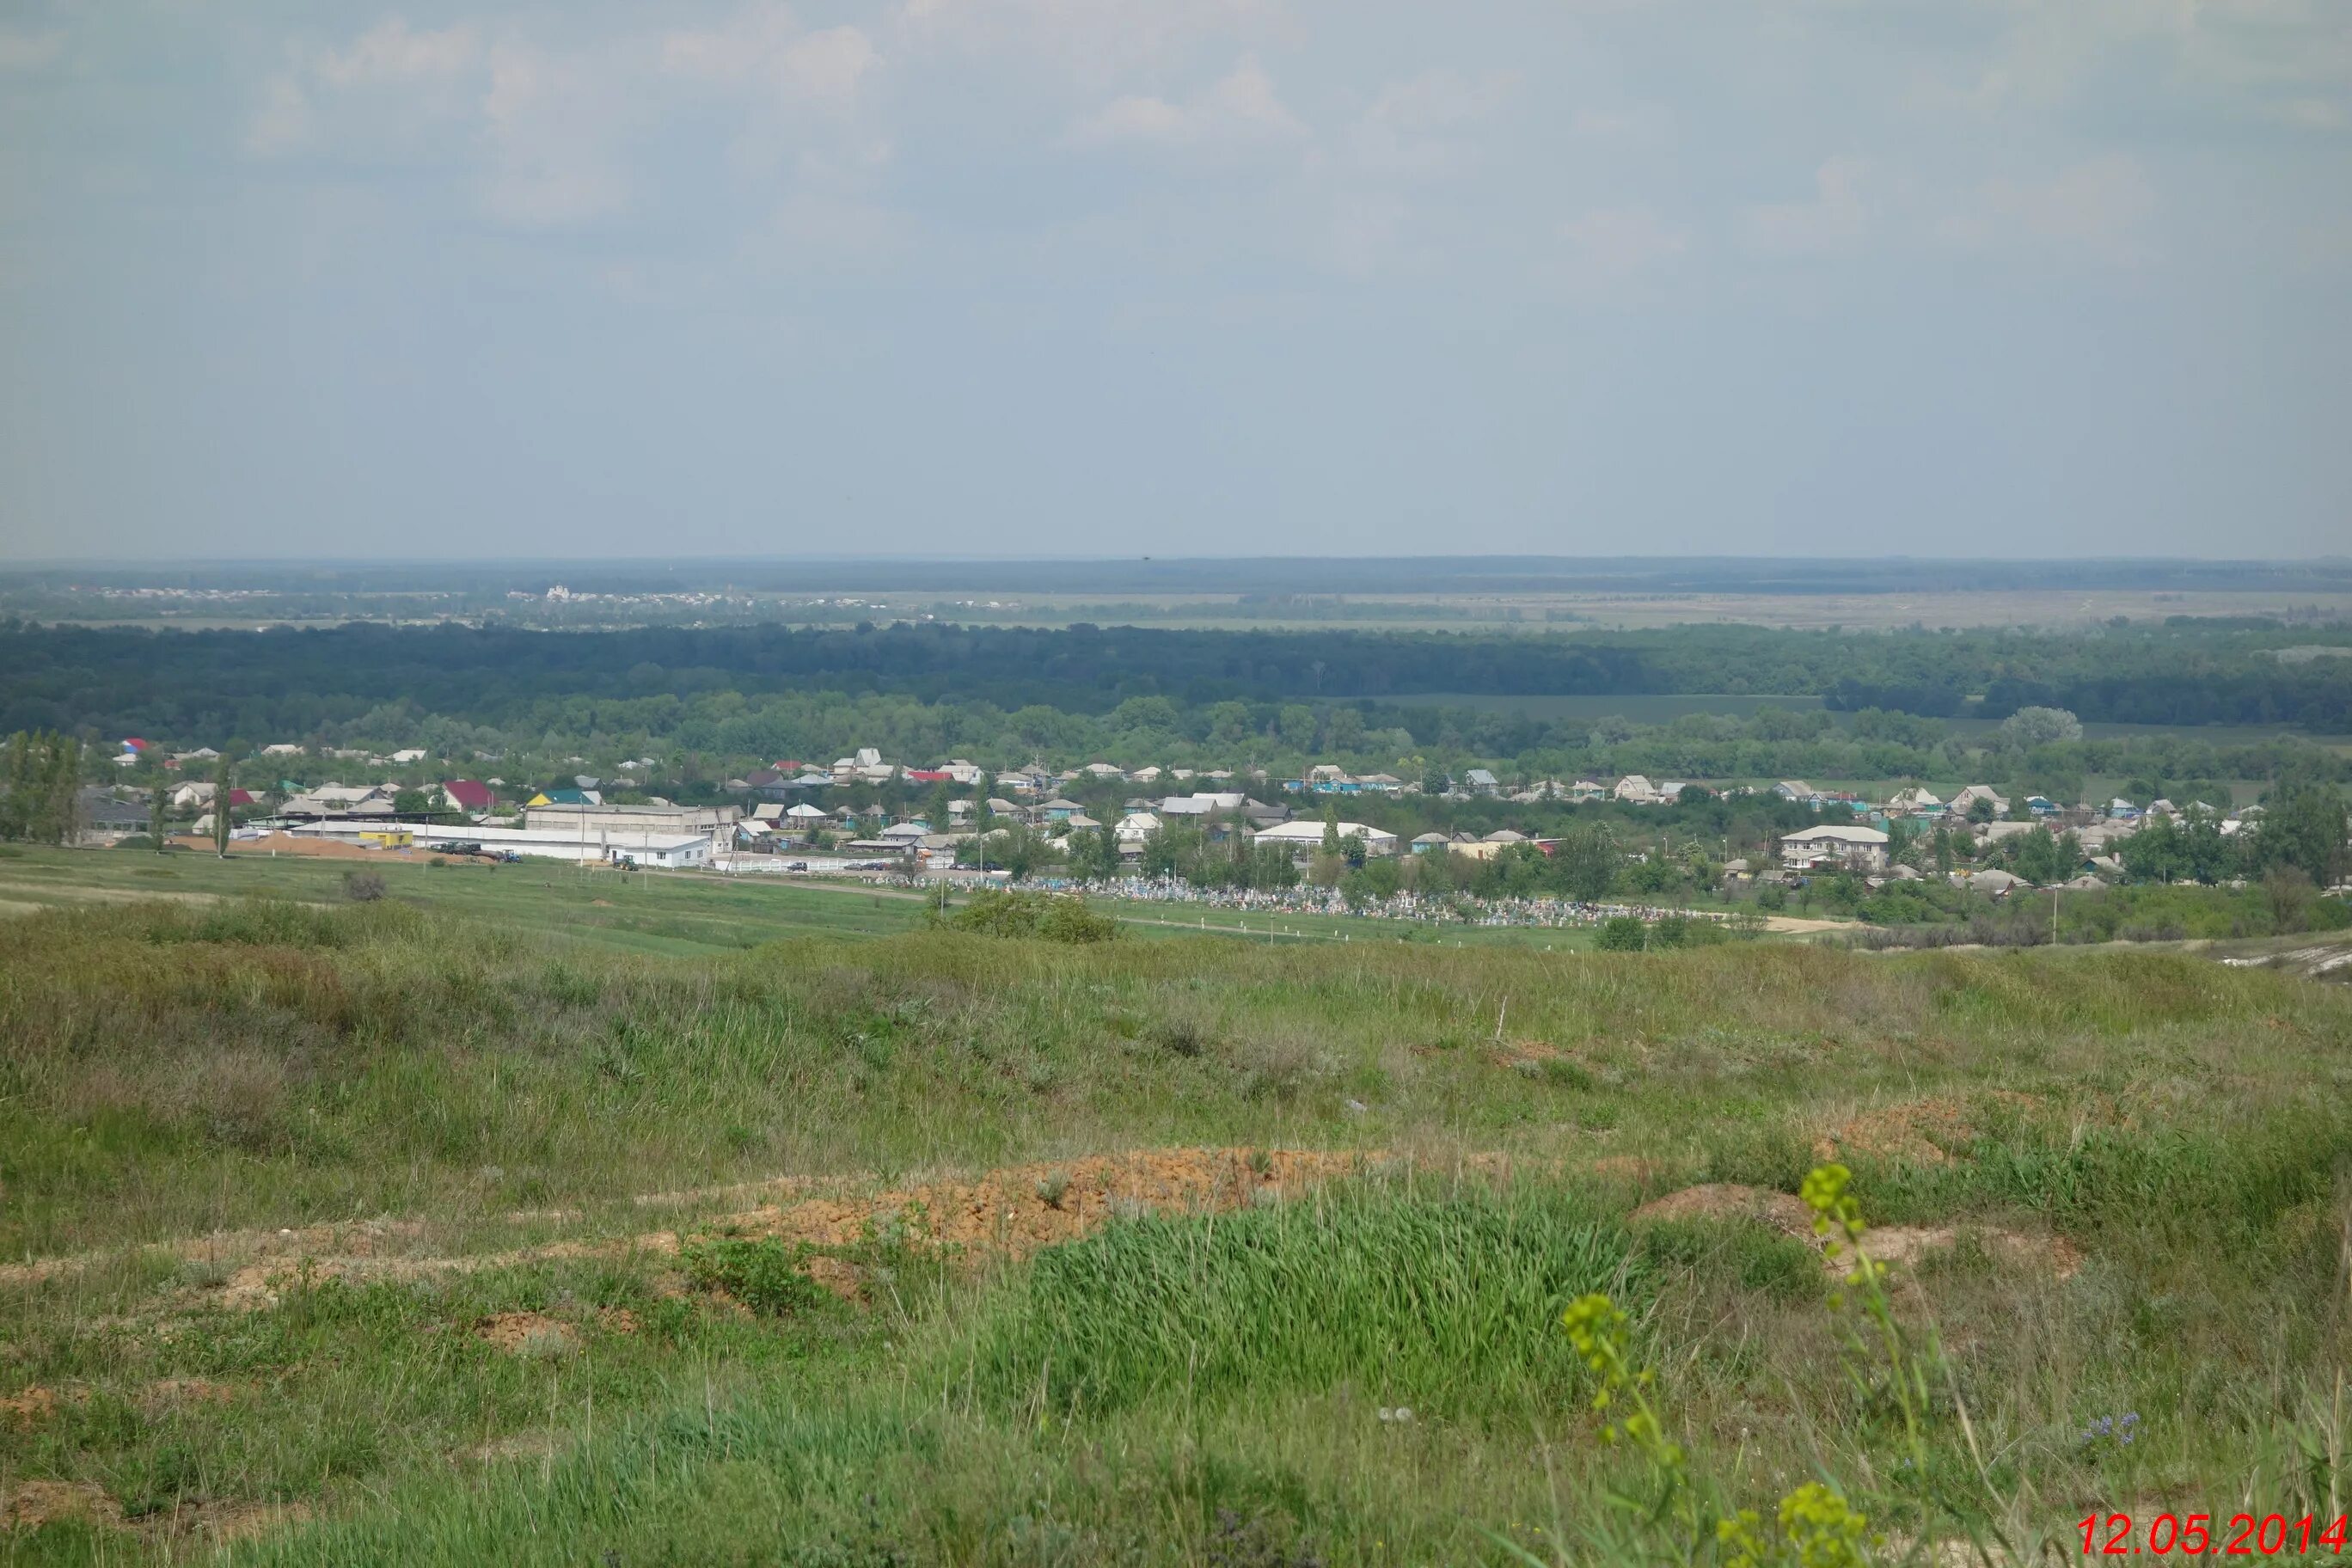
(1900, 1245)
(35, 1406)
(32, 1504)
(1729, 1200)
(1905, 1246)
(1021, 1209)
(1015, 1210)
(527, 1333)
(1918, 1131)
(365, 1239)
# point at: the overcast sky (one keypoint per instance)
(1187, 276)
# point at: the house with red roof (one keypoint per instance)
(468, 795)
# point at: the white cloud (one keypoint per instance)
(283, 121)
(388, 86)
(2314, 113)
(1613, 246)
(2098, 208)
(1419, 126)
(1239, 109)
(389, 54)
(764, 48)
(550, 126)
(1094, 42)
(1835, 219)
(30, 51)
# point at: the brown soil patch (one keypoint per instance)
(1002, 1212)
(365, 1239)
(526, 1334)
(1901, 1244)
(1905, 1246)
(1005, 1212)
(287, 843)
(1722, 1200)
(35, 1406)
(617, 1321)
(1526, 1053)
(32, 1504)
(1918, 1131)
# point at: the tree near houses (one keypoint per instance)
(224, 786)
(2031, 726)
(38, 800)
(1588, 862)
(2306, 828)
(156, 803)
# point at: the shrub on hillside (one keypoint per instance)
(764, 1274)
(997, 912)
(1621, 933)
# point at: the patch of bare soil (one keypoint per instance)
(527, 1333)
(1905, 1246)
(363, 1239)
(287, 843)
(1021, 1209)
(1900, 1245)
(30, 1409)
(1918, 1131)
(1722, 1200)
(1013, 1211)
(32, 1504)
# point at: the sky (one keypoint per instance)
(295, 278)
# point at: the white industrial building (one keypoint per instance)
(625, 825)
(648, 846)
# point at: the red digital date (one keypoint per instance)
(2193, 1535)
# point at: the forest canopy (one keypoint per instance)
(288, 682)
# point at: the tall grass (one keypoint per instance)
(1446, 1305)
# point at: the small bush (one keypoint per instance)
(1621, 933)
(998, 911)
(362, 887)
(763, 1274)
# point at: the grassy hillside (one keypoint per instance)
(385, 1234)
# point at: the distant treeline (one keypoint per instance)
(286, 681)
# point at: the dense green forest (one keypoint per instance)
(304, 681)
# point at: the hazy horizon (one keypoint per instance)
(1056, 279)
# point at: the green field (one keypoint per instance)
(666, 912)
(445, 1228)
